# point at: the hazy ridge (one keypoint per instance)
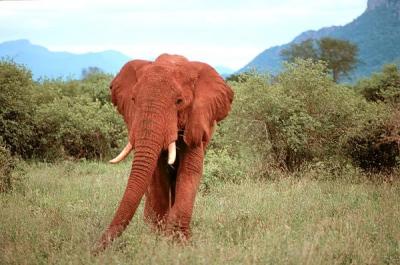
(376, 32)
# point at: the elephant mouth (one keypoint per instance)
(128, 149)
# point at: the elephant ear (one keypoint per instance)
(212, 103)
(123, 89)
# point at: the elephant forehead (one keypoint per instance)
(168, 77)
(158, 85)
(157, 73)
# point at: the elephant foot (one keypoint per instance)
(100, 246)
(178, 229)
(157, 225)
(112, 232)
(179, 236)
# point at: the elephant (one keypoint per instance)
(170, 106)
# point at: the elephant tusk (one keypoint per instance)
(214, 127)
(125, 152)
(171, 153)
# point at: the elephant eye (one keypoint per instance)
(179, 101)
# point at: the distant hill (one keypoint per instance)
(45, 63)
(376, 32)
(223, 70)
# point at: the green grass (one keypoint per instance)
(61, 210)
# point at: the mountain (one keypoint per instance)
(376, 33)
(223, 70)
(43, 62)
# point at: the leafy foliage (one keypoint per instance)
(300, 116)
(303, 50)
(340, 55)
(380, 148)
(77, 127)
(293, 120)
(17, 107)
(55, 119)
(240, 77)
(382, 86)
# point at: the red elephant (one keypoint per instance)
(171, 107)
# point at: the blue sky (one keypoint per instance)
(225, 32)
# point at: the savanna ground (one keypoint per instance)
(58, 212)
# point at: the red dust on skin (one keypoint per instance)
(166, 103)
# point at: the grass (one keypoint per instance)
(61, 210)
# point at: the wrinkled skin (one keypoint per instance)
(170, 99)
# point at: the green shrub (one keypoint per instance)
(16, 110)
(382, 86)
(221, 167)
(54, 118)
(300, 116)
(378, 148)
(241, 77)
(94, 86)
(76, 127)
(74, 118)
(298, 119)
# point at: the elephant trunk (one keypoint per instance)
(148, 147)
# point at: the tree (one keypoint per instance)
(303, 50)
(91, 71)
(340, 55)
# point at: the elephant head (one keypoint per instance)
(163, 101)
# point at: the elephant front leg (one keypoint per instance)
(158, 197)
(187, 183)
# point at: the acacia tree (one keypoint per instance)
(340, 55)
(303, 50)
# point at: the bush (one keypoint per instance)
(300, 116)
(221, 167)
(95, 86)
(383, 86)
(16, 110)
(379, 148)
(76, 127)
(298, 119)
(53, 118)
